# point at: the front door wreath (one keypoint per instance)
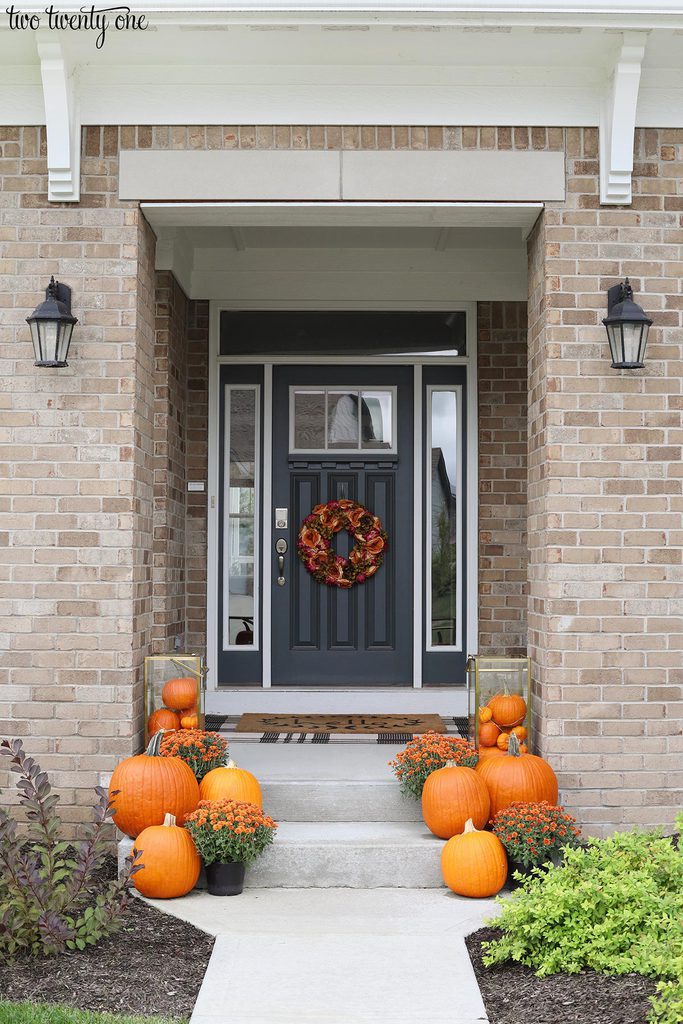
(314, 543)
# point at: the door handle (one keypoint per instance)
(281, 547)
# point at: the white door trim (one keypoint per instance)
(213, 524)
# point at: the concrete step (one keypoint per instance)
(353, 854)
(338, 800)
(356, 854)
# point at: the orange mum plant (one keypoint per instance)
(424, 754)
(229, 831)
(532, 832)
(201, 750)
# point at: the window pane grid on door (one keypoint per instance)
(240, 627)
(342, 420)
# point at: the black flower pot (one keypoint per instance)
(225, 879)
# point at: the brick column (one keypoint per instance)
(76, 482)
(605, 494)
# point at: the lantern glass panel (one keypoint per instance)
(500, 677)
(63, 342)
(159, 670)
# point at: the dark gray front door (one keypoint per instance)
(343, 432)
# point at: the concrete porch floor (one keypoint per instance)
(337, 956)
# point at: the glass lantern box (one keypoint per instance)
(499, 691)
(174, 693)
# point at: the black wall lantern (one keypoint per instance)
(627, 328)
(51, 326)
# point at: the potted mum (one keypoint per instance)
(427, 752)
(534, 833)
(202, 751)
(228, 835)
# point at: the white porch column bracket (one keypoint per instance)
(618, 121)
(62, 123)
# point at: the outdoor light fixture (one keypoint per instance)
(627, 328)
(51, 326)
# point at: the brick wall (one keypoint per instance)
(503, 550)
(76, 480)
(605, 492)
(170, 454)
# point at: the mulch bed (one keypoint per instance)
(154, 965)
(514, 995)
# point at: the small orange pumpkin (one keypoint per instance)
(523, 749)
(162, 719)
(170, 862)
(485, 752)
(488, 734)
(180, 693)
(146, 787)
(474, 864)
(508, 709)
(520, 732)
(517, 776)
(485, 714)
(189, 720)
(450, 796)
(231, 783)
(503, 741)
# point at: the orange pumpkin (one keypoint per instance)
(503, 741)
(162, 719)
(488, 734)
(517, 776)
(523, 749)
(231, 783)
(170, 862)
(520, 732)
(485, 714)
(180, 693)
(508, 709)
(189, 721)
(149, 787)
(450, 796)
(474, 863)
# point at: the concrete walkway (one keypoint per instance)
(337, 956)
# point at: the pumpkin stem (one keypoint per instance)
(513, 746)
(154, 746)
(451, 764)
(469, 826)
(230, 763)
(169, 819)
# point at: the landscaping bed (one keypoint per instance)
(513, 994)
(154, 966)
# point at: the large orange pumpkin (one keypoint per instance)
(180, 693)
(170, 862)
(508, 709)
(162, 719)
(488, 734)
(474, 863)
(450, 796)
(149, 787)
(517, 776)
(231, 783)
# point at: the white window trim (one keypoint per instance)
(427, 443)
(213, 522)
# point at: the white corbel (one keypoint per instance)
(618, 120)
(62, 123)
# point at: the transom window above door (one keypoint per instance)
(344, 420)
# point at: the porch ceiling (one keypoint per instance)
(324, 254)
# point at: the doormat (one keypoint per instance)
(341, 723)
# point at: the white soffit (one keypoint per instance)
(164, 216)
(398, 176)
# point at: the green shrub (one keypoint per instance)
(51, 900)
(615, 906)
(667, 1004)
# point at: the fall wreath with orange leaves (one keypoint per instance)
(314, 543)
